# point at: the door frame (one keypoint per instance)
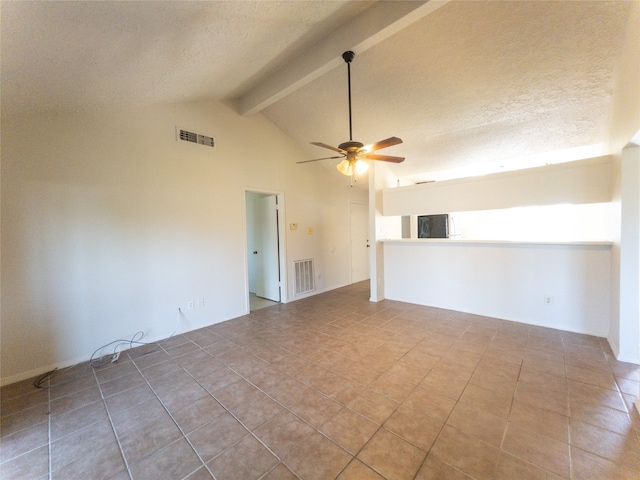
(281, 242)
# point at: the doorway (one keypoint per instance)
(359, 242)
(264, 249)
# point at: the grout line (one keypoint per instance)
(50, 437)
(184, 435)
(113, 428)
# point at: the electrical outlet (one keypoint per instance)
(190, 304)
(548, 300)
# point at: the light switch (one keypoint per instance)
(309, 231)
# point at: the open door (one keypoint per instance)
(265, 247)
(359, 242)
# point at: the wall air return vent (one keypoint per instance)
(193, 137)
(304, 276)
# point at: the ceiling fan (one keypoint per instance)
(354, 153)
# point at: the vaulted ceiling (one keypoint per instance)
(469, 86)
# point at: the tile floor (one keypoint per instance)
(256, 303)
(330, 387)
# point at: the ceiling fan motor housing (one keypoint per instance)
(350, 146)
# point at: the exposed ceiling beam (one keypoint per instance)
(371, 27)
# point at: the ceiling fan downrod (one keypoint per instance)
(348, 57)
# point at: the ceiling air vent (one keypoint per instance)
(193, 137)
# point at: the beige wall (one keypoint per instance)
(109, 225)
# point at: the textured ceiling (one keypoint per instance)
(466, 85)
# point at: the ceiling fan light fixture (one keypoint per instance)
(361, 167)
(345, 167)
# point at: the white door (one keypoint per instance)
(359, 242)
(267, 270)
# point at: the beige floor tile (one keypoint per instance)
(587, 466)
(374, 406)
(199, 413)
(415, 427)
(496, 383)
(392, 456)
(620, 449)
(511, 468)
(77, 399)
(77, 419)
(256, 413)
(289, 391)
(236, 393)
(103, 462)
(350, 430)
(23, 441)
(407, 372)
(487, 400)
(216, 436)
(176, 460)
(499, 367)
(183, 397)
(461, 373)
(24, 419)
(435, 469)
(629, 387)
(316, 408)
(603, 417)
(34, 464)
(283, 433)
(540, 450)
(466, 453)
(248, 459)
(280, 472)
(357, 470)
(430, 403)
(598, 378)
(317, 458)
(20, 403)
(444, 384)
(581, 394)
(540, 420)
(81, 443)
(543, 380)
(66, 384)
(538, 362)
(539, 397)
(393, 387)
(144, 442)
(478, 423)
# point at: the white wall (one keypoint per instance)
(503, 280)
(109, 225)
(480, 275)
(627, 347)
(623, 125)
(558, 223)
(585, 181)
